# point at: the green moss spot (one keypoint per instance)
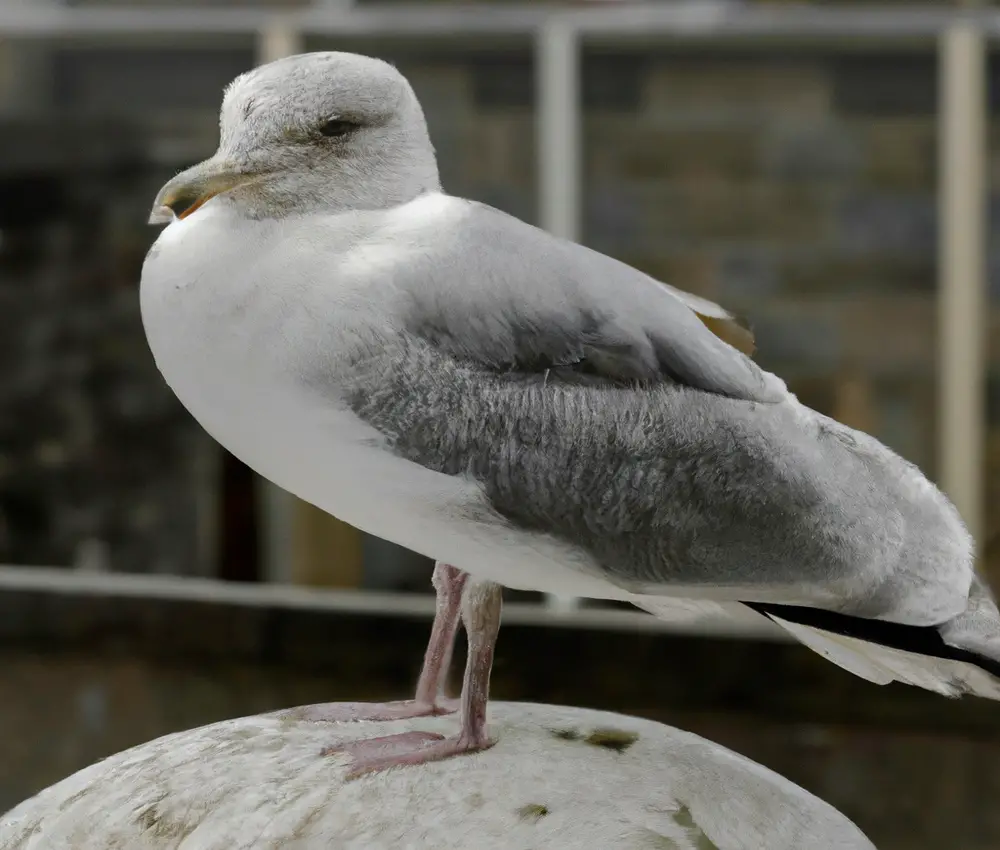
(566, 734)
(532, 812)
(650, 840)
(682, 817)
(612, 739)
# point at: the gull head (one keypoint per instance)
(311, 133)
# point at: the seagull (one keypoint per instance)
(525, 411)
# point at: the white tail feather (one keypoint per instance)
(883, 664)
(871, 661)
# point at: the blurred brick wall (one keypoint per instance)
(98, 462)
(795, 186)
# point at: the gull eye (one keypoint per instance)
(337, 128)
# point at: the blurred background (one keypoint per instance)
(828, 170)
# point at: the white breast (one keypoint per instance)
(228, 308)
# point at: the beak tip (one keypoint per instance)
(161, 215)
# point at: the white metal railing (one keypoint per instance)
(411, 605)
(705, 18)
(557, 69)
(26, 18)
(962, 293)
(275, 40)
(961, 35)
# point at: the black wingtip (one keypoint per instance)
(919, 640)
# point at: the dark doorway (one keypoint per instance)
(239, 526)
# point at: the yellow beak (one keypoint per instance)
(192, 189)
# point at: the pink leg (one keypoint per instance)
(449, 584)
(481, 614)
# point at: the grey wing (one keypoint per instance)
(498, 292)
(656, 459)
(669, 490)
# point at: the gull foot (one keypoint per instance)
(346, 712)
(373, 755)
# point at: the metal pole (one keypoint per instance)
(278, 39)
(277, 506)
(962, 304)
(557, 72)
(557, 118)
